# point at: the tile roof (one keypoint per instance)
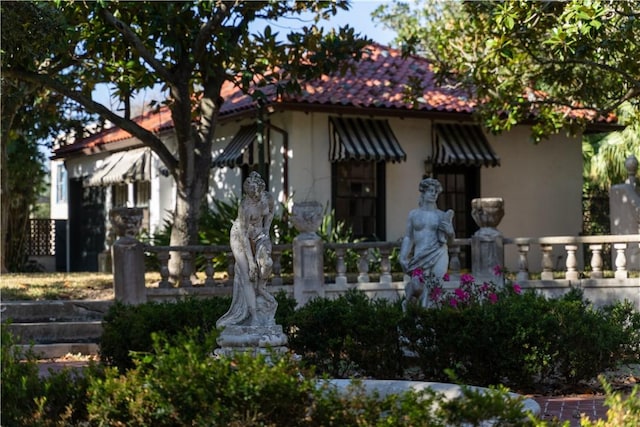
(378, 82)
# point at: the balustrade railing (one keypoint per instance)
(380, 253)
(571, 245)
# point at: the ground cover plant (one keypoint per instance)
(179, 383)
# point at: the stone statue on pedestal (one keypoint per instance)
(249, 324)
(424, 254)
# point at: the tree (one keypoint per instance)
(30, 115)
(605, 154)
(192, 49)
(558, 64)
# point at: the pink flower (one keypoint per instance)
(484, 287)
(461, 294)
(497, 270)
(419, 274)
(446, 277)
(435, 293)
(493, 298)
(466, 279)
(453, 302)
(517, 288)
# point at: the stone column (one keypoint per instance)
(308, 251)
(128, 256)
(487, 245)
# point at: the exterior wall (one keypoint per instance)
(59, 209)
(541, 185)
(539, 182)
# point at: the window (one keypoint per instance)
(358, 197)
(460, 185)
(120, 195)
(61, 184)
(142, 193)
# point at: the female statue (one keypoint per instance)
(251, 303)
(428, 230)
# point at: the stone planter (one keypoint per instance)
(487, 212)
(126, 222)
(307, 216)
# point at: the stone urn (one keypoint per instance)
(487, 212)
(126, 222)
(307, 216)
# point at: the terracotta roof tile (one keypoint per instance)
(379, 81)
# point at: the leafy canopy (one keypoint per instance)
(562, 63)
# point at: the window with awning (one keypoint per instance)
(363, 139)
(462, 145)
(243, 149)
(122, 167)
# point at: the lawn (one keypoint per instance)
(59, 286)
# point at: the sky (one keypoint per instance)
(358, 17)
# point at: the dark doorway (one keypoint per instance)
(460, 185)
(86, 225)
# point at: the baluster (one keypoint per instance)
(523, 263)
(341, 267)
(231, 266)
(572, 263)
(454, 260)
(209, 281)
(621, 261)
(385, 266)
(596, 261)
(185, 277)
(163, 257)
(547, 262)
(363, 266)
(276, 256)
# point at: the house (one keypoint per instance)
(353, 143)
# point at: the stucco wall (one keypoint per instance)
(541, 185)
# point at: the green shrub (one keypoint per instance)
(524, 341)
(622, 412)
(181, 384)
(56, 399)
(128, 328)
(351, 335)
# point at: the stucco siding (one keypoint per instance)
(541, 185)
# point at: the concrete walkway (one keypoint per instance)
(564, 408)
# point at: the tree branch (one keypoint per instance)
(147, 137)
(137, 44)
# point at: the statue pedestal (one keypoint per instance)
(254, 339)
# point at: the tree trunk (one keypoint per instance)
(192, 187)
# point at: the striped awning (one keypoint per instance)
(243, 149)
(464, 145)
(363, 139)
(122, 167)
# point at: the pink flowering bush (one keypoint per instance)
(469, 292)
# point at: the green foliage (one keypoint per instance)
(128, 329)
(57, 399)
(180, 384)
(25, 182)
(351, 335)
(624, 411)
(524, 341)
(566, 63)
